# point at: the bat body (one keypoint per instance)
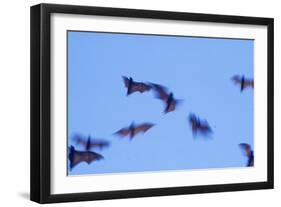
(75, 157)
(168, 98)
(133, 86)
(133, 130)
(198, 125)
(243, 82)
(89, 143)
(249, 153)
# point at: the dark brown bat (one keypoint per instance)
(249, 153)
(198, 125)
(75, 157)
(133, 86)
(133, 130)
(243, 82)
(168, 98)
(89, 142)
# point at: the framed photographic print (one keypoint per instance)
(132, 103)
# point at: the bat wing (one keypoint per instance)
(76, 157)
(236, 79)
(140, 87)
(205, 127)
(80, 140)
(143, 128)
(193, 122)
(248, 152)
(161, 92)
(249, 83)
(89, 156)
(123, 132)
(251, 160)
(246, 148)
(126, 81)
(192, 118)
(173, 105)
(99, 143)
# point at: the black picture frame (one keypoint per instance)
(41, 99)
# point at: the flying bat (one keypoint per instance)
(249, 153)
(89, 143)
(75, 157)
(168, 98)
(243, 82)
(133, 130)
(198, 125)
(133, 86)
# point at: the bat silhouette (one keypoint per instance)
(133, 86)
(249, 153)
(133, 129)
(89, 142)
(75, 157)
(243, 82)
(198, 125)
(168, 98)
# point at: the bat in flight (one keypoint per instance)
(198, 125)
(133, 130)
(249, 153)
(168, 98)
(133, 86)
(75, 157)
(243, 82)
(89, 143)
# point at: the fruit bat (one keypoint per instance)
(243, 82)
(75, 157)
(89, 142)
(168, 98)
(133, 86)
(249, 153)
(133, 130)
(198, 125)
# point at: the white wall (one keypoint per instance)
(14, 102)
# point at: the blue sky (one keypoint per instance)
(197, 70)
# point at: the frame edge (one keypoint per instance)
(35, 25)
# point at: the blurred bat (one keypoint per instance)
(89, 142)
(198, 125)
(133, 86)
(249, 153)
(243, 82)
(75, 157)
(168, 98)
(133, 130)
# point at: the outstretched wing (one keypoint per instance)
(142, 128)
(246, 148)
(89, 156)
(173, 105)
(249, 153)
(199, 126)
(123, 132)
(249, 83)
(161, 91)
(140, 87)
(193, 122)
(98, 143)
(80, 140)
(205, 128)
(76, 157)
(126, 81)
(236, 79)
